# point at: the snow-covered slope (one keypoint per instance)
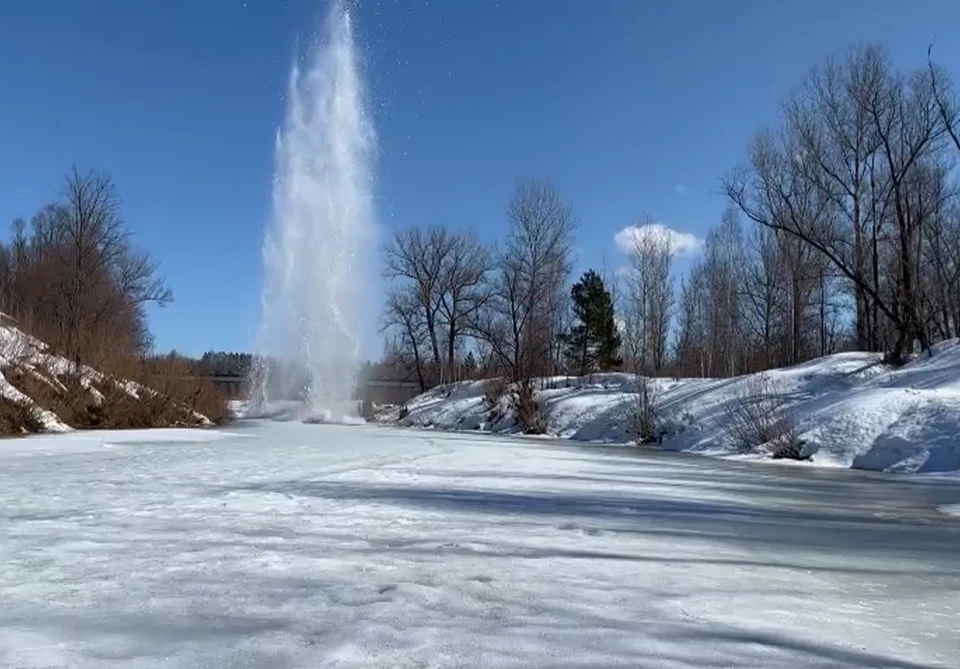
(848, 409)
(29, 355)
(22, 355)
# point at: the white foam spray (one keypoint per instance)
(315, 266)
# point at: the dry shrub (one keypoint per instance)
(648, 431)
(788, 447)
(758, 421)
(17, 418)
(74, 404)
(215, 403)
(175, 391)
(171, 394)
(527, 409)
(494, 391)
(149, 409)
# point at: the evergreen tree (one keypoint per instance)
(469, 365)
(593, 343)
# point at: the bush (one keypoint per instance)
(210, 401)
(675, 425)
(527, 409)
(648, 430)
(788, 447)
(494, 391)
(758, 421)
(180, 383)
(123, 411)
(17, 418)
(153, 408)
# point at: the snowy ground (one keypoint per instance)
(288, 545)
(848, 409)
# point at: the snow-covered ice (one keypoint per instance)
(289, 545)
(85, 441)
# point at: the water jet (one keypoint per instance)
(314, 251)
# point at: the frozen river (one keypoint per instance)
(285, 545)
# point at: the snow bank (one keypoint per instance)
(849, 409)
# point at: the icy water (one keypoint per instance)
(291, 545)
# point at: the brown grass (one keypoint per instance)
(76, 406)
(180, 382)
(18, 419)
(170, 396)
(122, 410)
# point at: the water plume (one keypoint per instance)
(314, 260)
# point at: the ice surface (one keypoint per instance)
(85, 441)
(289, 545)
(849, 408)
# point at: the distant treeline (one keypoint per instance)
(223, 363)
(229, 363)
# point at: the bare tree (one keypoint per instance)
(647, 309)
(857, 174)
(763, 297)
(446, 273)
(835, 136)
(464, 290)
(417, 255)
(648, 299)
(947, 104)
(692, 334)
(529, 279)
(402, 314)
(77, 278)
(723, 270)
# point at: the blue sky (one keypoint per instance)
(630, 107)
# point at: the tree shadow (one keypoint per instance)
(752, 526)
(738, 644)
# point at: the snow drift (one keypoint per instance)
(848, 410)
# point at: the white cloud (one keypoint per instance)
(680, 189)
(682, 243)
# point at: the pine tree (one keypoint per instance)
(469, 365)
(594, 341)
